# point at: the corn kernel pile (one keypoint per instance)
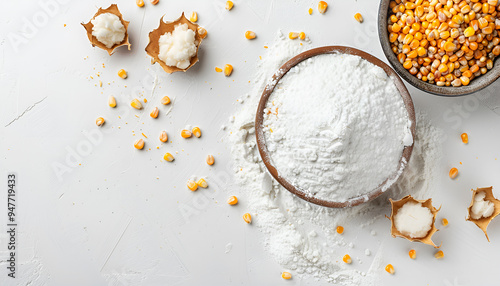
(445, 42)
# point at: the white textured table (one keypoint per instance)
(92, 210)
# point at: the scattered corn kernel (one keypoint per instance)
(163, 136)
(194, 17)
(250, 35)
(136, 104)
(210, 160)
(139, 3)
(340, 229)
(202, 183)
(139, 144)
(286, 275)
(228, 69)
(99, 121)
(310, 11)
(453, 173)
(412, 253)
(186, 133)
(302, 35)
(112, 101)
(154, 113)
(218, 69)
(202, 32)
(192, 185)
(347, 259)
(247, 218)
(465, 138)
(122, 73)
(168, 157)
(165, 100)
(389, 268)
(229, 5)
(154, 2)
(322, 6)
(293, 35)
(358, 17)
(197, 132)
(232, 200)
(444, 222)
(439, 254)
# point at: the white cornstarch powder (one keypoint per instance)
(413, 220)
(108, 29)
(177, 48)
(335, 127)
(301, 236)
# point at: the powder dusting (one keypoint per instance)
(335, 127)
(301, 236)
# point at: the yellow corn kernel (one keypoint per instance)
(322, 6)
(247, 218)
(412, 253)
(154, 2)
(192, 185)
(358, 17)
(168, 157)
(444, 222)
(218, 69)
(439, 254)
(186, 133)
(202, 183)
(465, 138)
(453, 173)
(165, 100)
(250, 35)
(122, 73)
(228, 69)
(302, 35)
(293, 35)
(136, 104)
(210, 160)
(139, 3)
(232, 200)
(229, 5)
(163, 136)
(99, 121)
(389, 268)
(197, 132)
(139, 144)
(450, 47)
(286, 275)
(469, 32)
(347, 259)
(194, 17)
(202, 32)
(340, 229)
(112, 101)
(310, 11)
(154, 113)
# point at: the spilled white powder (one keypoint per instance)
(300, 236)
(481, 207)
(413, 220)
(177, 48)
(336, 126)
(108, 29)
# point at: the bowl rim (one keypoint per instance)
(446, 91)
(261, 139)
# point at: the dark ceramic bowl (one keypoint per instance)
(261, 139)
(475, 84)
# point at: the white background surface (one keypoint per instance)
(117, 216)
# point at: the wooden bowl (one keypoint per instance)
(261, 140)
(474, 85)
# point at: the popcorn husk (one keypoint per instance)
(427, 239)
(483, 223)
(153, 48)
(113, 9)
